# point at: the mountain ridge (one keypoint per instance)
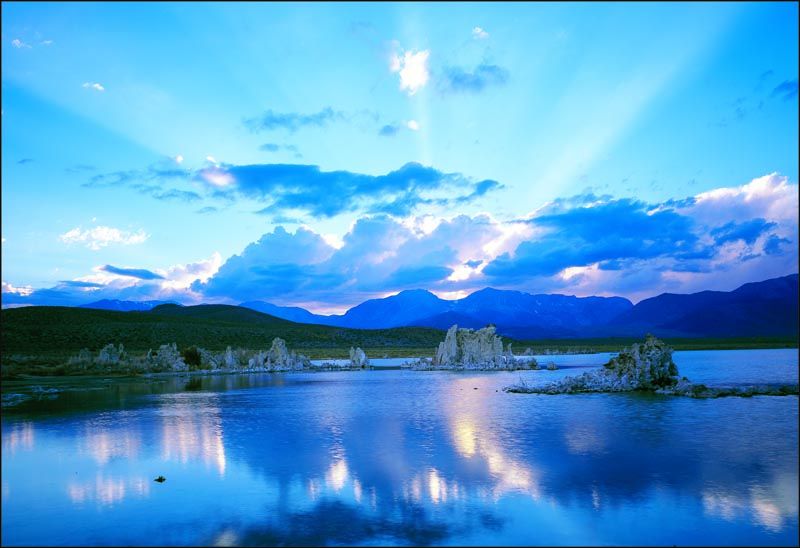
(768, 307)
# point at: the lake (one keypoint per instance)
(399, 457)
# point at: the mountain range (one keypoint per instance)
(767, 308)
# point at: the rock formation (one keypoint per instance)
(358, 358)
(647, 366)
(470, 349)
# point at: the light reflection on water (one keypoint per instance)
(399, 457)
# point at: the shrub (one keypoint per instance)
(191, 357)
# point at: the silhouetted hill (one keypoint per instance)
(761, 308)
(291, 313)
(218, 313)
(124, 306)
(767, 308)
(35, 330)
(405, 308)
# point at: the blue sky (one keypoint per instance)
(322, 154)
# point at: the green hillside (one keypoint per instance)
(50, 330)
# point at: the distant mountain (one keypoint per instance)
(762, 308)
(755, 309)
(404, 309)
(291, 313)
(218, 313)
(536, 316)
(124, 306)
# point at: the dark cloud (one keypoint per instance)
(389, 130)
(600, 233)
(275, 147)
(277, 264)
(292, 121)
(25, 161)
(327, 194)
(139, 273)
(174, 194)
(786, 90)
(775, 244)
(411, 276)
(456, 79)
(75, 283)
(747, 231)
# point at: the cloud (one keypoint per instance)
(479, 34)
(138, 273)
(19, 44)
(81, 284)
(94, 85)
(151, 181)
(607, 246)
(747, 231)
(786, 90)
(458, 80)
(274, 147)
(47, 42)
(389, 130)
(593, 233)
(102, 236)
(278, 263)
(327, 194)
(582, 245)
(292, 121)
(412, 68)
(25, 161)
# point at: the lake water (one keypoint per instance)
(400, 457)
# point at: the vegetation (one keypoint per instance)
(65, 341)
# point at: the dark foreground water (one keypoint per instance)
(396, 457)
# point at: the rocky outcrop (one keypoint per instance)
(168, 358)
(358, 358)
(647, 367)
(469, 349)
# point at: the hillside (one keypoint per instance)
(49, 329)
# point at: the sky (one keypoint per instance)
(323, 154)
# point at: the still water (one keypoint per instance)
(398, 457)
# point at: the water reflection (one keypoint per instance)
(192, 429)
(769, 505)
(412, 458)
(19, 436)
(474, 434)
(105, 443)
(107, 491)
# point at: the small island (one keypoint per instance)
(645, 367)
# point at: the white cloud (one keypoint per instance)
(19, 44)
(47, 42)
(479, 34)
(23, 291)
(770, 197)
(413, 69)
(179, 159)
(93, 85)
(216, 176)
(101, 236)
(413, 125)
(183, 276)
